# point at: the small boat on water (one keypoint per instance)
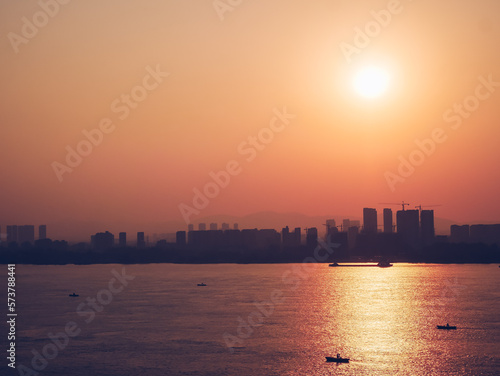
(446, 327)
(337, 359)
(201, 284)
(384, 264)
(73, 295)
(381, 264)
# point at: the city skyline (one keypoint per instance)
(129, 134)
(416, 225)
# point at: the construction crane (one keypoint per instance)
(419, 207)
(403, 204)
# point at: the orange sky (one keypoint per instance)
(225, 78)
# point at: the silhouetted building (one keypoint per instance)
(427, 226)
(388, 221)
(291, 239)
(213, 226)
(202, 227)
(459, 234)
(235, 226)
(487, 234)
(346, 223)
(330, 223)
(180, 238)
(190, 227)
(11, 233)
(122, 239)
(407, 222)
(369, 221)
(267, 238)
(233, 238)
(42, 232)
(26, 234)
(141, 243)
(352, 234)
(102, 241)
(312, 237)
(225, 226)
(249, 238)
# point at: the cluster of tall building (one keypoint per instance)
(105, 240)
(414, 227)
(246, 238)
(212, 226)
(24, 234)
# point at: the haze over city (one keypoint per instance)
(178, 90)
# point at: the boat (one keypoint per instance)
(446, 327)
(381, 264)
(73, 295)
(201, 284)
(337, 359)
(384, 264)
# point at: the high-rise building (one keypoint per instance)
(312, 237)
(369, 221)
(427, 226)
(330, 223)
(213, 226)
(352, 234)
(235, 226)
(202, 227)
(122, 239)
(388, 221)
(290, 239)
(141, 243)
(11, 233)
(225, 226)
(190, 227)
(102, 241)
(266, 238)
(42, 232)
(407, 222)
(180, 237)
(26, 234)
(346, 223)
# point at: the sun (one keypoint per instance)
(371, 82)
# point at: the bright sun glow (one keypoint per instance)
(371, 82)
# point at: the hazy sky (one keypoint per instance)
(229, 70)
